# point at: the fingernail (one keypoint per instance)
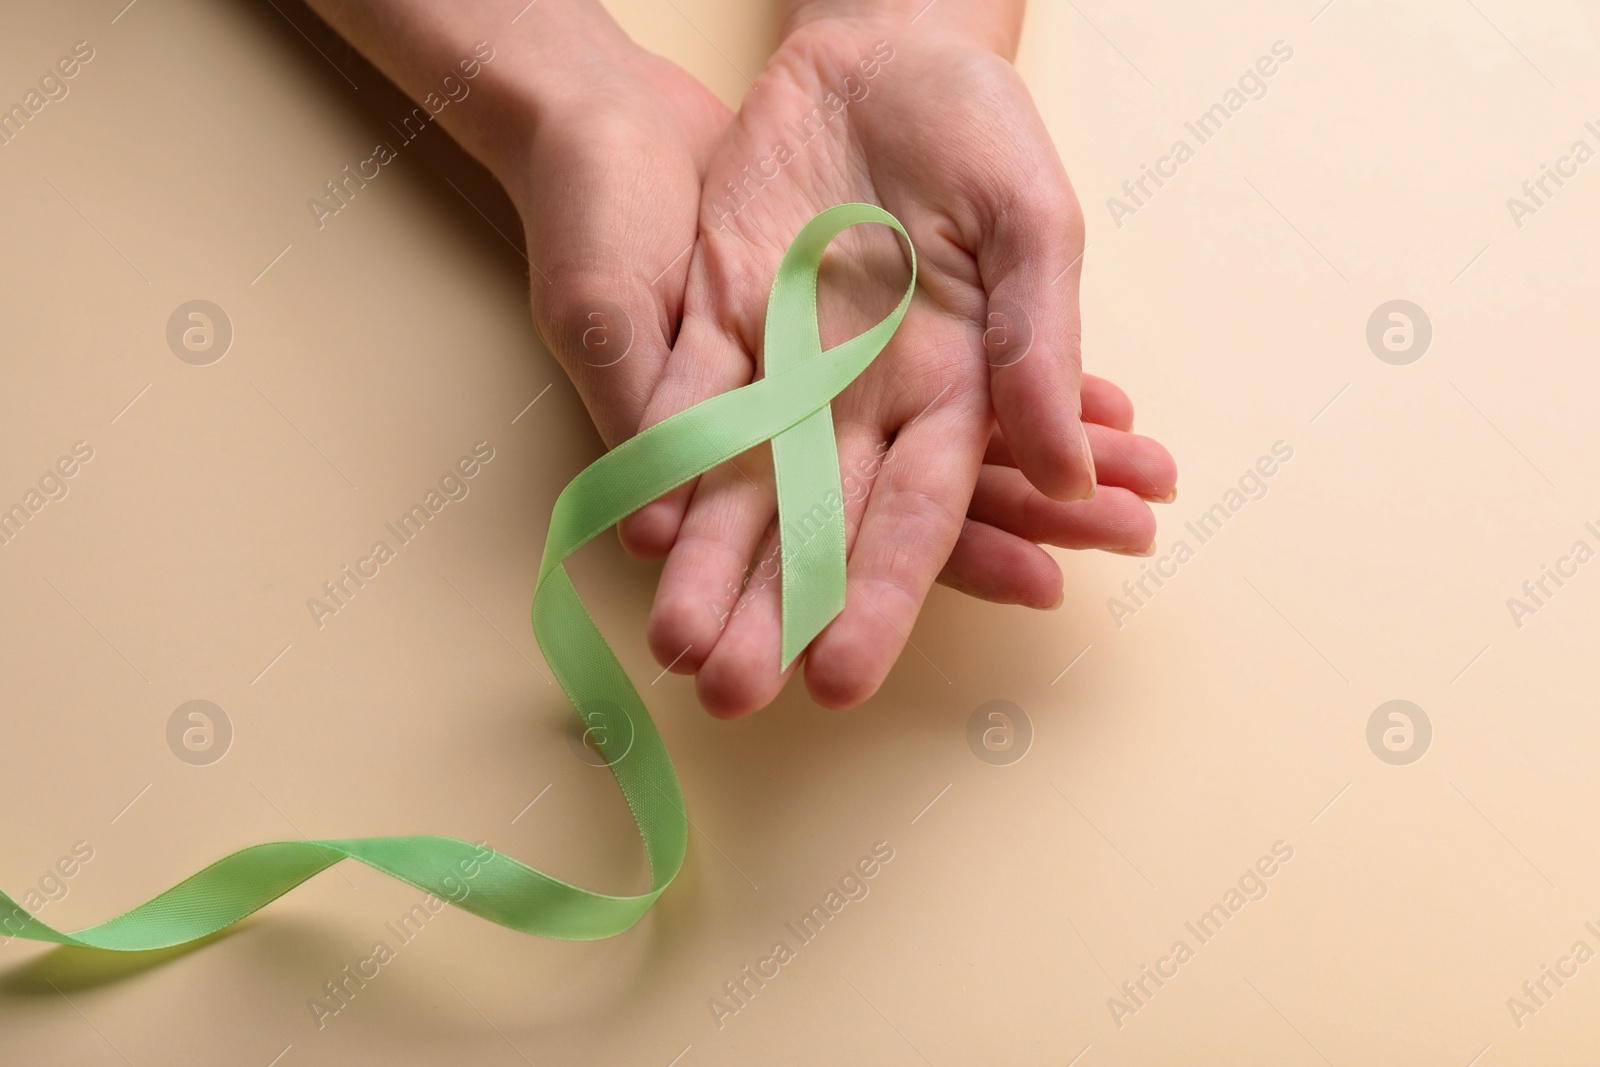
(1170, 497)
(1088, 457)
(1060, 600)
(1145, 554)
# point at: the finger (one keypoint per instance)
(912, 519)
(1133, 462)
(1125, 460)
(1106, 404)
(1114, 520)
(993, 565)
(1030, 261)
(996, 452)
(742, 672)
(705, 361)
(707, 565)
(1103, 403)
(604, 324)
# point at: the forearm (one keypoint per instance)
(486, 77)
(995, 24)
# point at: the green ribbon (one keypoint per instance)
(789, 407)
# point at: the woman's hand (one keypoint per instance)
(940, 131)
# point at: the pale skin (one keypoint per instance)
(619, 161)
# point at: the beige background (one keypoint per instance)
(1227, 714)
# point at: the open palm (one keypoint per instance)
(943, 135)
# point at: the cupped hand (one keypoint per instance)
(942, 133)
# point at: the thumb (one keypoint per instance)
(1030, 261)
(607, 328)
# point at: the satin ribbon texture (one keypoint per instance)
(789, 406)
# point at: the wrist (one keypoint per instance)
(543, 66)
(994, 25)
(487, 74)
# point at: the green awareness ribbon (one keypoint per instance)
(789, 406)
